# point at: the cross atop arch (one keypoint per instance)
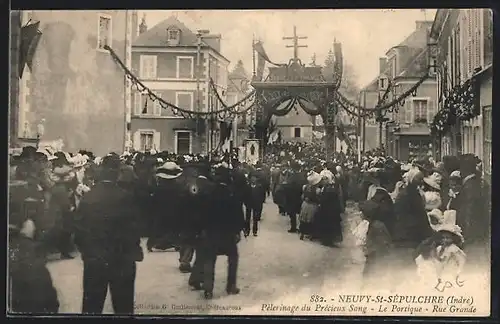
(295, 45)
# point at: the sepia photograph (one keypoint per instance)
(332, 162)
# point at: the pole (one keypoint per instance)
(380, 134)
(198, 100)
(358, 133)
(253, 55)
(364, 123)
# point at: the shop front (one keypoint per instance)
(410, 145)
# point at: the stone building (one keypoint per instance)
(464, 38)
(165, 58)
(73, 91)
(406, 132)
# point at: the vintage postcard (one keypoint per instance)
(250, 162)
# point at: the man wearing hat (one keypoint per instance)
(221, 231)
(107, 237)
(165, 223)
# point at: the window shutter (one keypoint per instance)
(137, 141)
(430, 111)
(408, 111)
(153, 67)
(137, 103)
(142, 67)
(157, 105)
(477, 24)
(156, 141)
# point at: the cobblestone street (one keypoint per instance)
(273, 266)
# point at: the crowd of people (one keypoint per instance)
(103, 206)
(415, 214)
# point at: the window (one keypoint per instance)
(104, 35)
(148, 66)
(420, 111)
(173, 36)
(297, 132)
(185, 67)
(147, 141)
(184, 100)
(145, 106)
(183, 142)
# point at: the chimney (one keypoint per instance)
(382, 64)
(420, 24)
(213, 40)
(143, 27)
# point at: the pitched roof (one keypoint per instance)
(156, 36)
(414, 61)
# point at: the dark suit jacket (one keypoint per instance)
(107, 225)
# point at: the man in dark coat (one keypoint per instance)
(471, 216)
(167, 209)
(221, 232)
(107, 237)
(255, 204)
(200, 203)
(293, 194)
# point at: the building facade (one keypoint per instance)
(405, 134)
(165, 58)
(73, 90)
(464, 40)
(296, 126)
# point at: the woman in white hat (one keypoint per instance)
(310, 201)
(328, 220)
(432, 191)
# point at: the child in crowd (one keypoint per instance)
(440, 258)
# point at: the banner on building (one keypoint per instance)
(252, 149)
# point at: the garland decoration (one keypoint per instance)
(461, 102)
(358, 111)
(221, 114)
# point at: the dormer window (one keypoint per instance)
(173, 36)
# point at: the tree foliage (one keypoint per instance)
(348, 86)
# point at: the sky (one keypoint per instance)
(365, 34)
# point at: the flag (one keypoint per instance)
(30, 36)
(259, 48)
(261, 59)
(337, 51)
(32, 49)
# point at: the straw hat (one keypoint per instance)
(169, 170)
(327, 175)
(313, 178)
(456, 174)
